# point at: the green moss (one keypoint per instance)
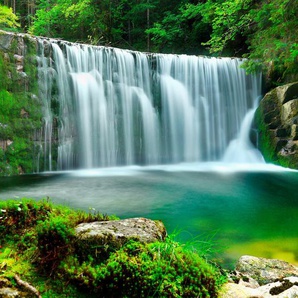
(160, 269)
(265, 142)
(37, 242)
(288, 161)
(20, 111)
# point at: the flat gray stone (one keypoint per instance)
(120, 231)
(265, 270)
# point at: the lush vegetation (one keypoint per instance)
(7, 18)
(264, 30)
(20, 109)
(37, 242)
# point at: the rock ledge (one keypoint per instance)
(262, 278)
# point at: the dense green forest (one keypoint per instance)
(265, 31)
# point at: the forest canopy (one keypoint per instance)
(265, 31)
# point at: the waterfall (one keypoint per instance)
(107, 107)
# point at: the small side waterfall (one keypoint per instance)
(106, 107)
(241, 150)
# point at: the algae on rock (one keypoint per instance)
(20, 108)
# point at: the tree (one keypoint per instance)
(264, 31)
(274, 42)
(7, 18)
(230, 23)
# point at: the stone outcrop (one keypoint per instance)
(99, 239)
(14, 49)
(261, 278)
(264, 270)
(120, 231)
(277, 122)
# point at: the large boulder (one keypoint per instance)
(277, 122)
(102, 237)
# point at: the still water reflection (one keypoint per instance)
(244, 211)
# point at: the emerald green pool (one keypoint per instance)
(227, 211)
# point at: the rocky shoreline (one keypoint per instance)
(255, 277)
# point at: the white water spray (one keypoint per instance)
(118, 107)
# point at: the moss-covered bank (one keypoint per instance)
(20, 108)
(38, 243)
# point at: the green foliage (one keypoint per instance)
(54, 239)
(230, 21)
(274, 40)
(16, 127)
(8, 19)
(21, 214)
(265, 140)
(37, 242)
(263, 31)
(166, 33)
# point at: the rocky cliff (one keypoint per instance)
(20, 116)
(277, 122)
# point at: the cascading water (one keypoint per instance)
(106, 107)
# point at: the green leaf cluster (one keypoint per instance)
(274, 40)
(8, 19)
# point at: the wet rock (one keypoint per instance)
(276, 120)
(19, 62)
(6, 39)
(287, 92)
(289, 110)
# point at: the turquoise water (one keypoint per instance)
(242, 211)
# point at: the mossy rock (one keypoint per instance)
(276, 120)
(101, 238)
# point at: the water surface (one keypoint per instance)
(240, 210)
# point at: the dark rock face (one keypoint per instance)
(277, 123)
